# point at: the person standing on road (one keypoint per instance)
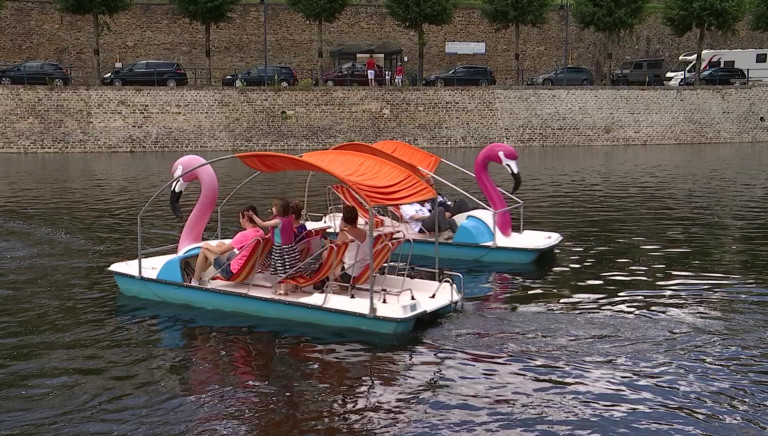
(370, 66)
(399, 74)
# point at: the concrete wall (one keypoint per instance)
(39, 119)
(35, 30)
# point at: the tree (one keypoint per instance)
(319, 12)
(610, 18)
(207, 13)
(414, 14)
(100, 11)
(504, 14)
(759, 16)
(683, 16)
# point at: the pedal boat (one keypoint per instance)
(485, 234)
(390, 300)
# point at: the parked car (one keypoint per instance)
(640, 72)
(352, 73)
(275, 74)
(568, 76)
(462, 75)
(718, 76)
(35, 73)
(147, 73)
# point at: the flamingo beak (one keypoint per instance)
(511, 166)
(177, 188)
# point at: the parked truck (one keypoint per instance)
(753, 61)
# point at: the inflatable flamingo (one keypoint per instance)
(506, 156)
(206, 203)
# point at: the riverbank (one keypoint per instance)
(82, 119)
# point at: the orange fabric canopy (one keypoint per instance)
(409, 153)
(379, 182)
(362, 147)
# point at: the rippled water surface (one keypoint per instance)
(651, 318)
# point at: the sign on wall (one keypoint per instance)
(473, 48)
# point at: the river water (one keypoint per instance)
(650, 319)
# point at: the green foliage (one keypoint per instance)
(505, 13)
(682, 16)
(206, 11)
(759, 15)
(611, 17)
(414, 14)
(326, 11)
(93, 7)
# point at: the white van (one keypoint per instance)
(754, 62)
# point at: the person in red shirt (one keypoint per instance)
(370, 66)
(399, 74)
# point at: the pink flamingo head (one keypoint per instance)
(505, 156)
(206, 203)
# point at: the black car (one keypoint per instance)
(148, 73)
(719, 76)
(275, 74)
(462, 75)
(568, 76)
(35, 73)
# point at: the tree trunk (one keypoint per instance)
(607, 77)
(320, 53)
(699, 48)
(517, 54)
(422, 43)
(208, 50)
(96, 57)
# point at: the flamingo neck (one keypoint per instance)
(503, 221)
(201, 213)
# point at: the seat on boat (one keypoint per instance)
(330, 262)
(260, 249)
(381, 254)
(348, 197)
(320, 231)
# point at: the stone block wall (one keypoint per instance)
(34, 29)
(40, 119)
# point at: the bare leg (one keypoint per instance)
(204, 261)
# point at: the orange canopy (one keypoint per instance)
(362, 147)
(379, 182)
(409, 153)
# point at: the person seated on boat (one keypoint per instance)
(299, 228)
(357, 254)
(422, 220)
(227, 259)
(284, 255)
(451, 208)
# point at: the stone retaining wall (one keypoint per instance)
(39, 119)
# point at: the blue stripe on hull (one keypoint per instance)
(470, 252)
(162, 291)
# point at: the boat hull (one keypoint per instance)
(210, 298)
(475, 253)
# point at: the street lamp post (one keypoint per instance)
(265, 44)
(565, 7)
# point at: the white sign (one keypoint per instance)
(472, 48)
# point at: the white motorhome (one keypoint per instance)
(754, 62)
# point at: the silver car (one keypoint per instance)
(568, 76)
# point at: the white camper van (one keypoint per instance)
(754, 62)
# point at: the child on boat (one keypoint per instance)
(299, 228)
(227, 259)
(284, 256)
